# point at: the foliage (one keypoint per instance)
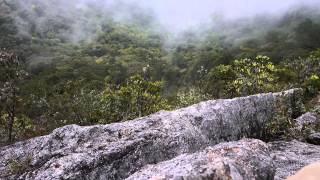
(138, 97)
(190, 97)
(280, 127)
(316, 110)
(11, 74)
(243, 77)
(307, 72)
(254, 76)
(19, 166)
(219, 81)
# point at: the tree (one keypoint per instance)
(218, 81)
(11, 74)
(307, 71)
(138, 97)
(243, 77)
(254, 75)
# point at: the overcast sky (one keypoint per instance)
(180, 14)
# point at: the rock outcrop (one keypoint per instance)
(307, 121)
(245, 159)
(117, 151)
(306, 128)
(314, 138)
(289, 157)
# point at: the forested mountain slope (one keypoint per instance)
(89, 63)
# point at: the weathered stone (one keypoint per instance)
(305, 125)
(307, 120)
(241, 160)
(116, 151)
(289, 157)
(314, 138)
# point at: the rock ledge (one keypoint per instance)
(117, 151)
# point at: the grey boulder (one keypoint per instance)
(314, 138)
(308, 120)
(242, 160)
(289, 157)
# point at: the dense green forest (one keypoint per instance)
(62, 64)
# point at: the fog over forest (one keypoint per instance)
(80, 61)
(172, 16)
(181, 14)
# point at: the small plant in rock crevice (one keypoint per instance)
(19, 166)
(316, 110)
(281, 126)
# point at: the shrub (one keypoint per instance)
(19, 166)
